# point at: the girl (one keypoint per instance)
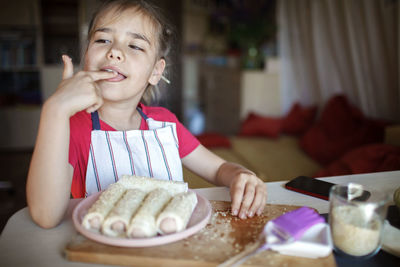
(96, 126)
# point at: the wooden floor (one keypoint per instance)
(13, 170)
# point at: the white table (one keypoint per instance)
(23, 243)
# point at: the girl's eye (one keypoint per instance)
(134, 47)
(102, 41)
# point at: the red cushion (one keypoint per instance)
(365, 159)
(257, 125)
(299, 119)
(341, 128)
(211, 140)
(339, 118)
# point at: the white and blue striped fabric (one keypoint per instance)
(150, 153)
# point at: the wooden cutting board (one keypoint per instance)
(222, 238)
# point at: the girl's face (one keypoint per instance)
(127, 44)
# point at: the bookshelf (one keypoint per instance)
(20, 73)
(33, 35)
(20, 87)
(19, 69)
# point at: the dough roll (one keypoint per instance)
(143, 224)
(102, 206)
(149, 184)
(175, 217)
(118, 219)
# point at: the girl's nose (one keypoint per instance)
(115, 54)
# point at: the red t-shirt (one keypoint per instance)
(80, 133)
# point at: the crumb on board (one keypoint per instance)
(226, 235)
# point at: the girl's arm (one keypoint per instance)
(248, 192)
(50, 174)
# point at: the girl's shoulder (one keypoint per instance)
(158, 113)
(80, 125)
(81, 118)
(82, 121)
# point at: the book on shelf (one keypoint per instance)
(17, 49)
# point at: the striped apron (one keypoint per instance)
(150, 153)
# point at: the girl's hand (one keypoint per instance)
(79, 91)
(248, 194)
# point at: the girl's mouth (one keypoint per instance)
(117, 78)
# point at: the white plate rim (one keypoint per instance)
(138, 242)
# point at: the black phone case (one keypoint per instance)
(310, 186)
(317, 188)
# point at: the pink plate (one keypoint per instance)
(198, 221)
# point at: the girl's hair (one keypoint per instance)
(161, 27)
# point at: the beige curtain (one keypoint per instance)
(351, 47)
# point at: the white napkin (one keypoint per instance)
(391, 239)
(315, 243)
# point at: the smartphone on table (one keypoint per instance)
(316, 188)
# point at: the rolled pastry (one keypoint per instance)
(102, 206)
(175, 217)
(117, 221)
(149, 184)
(143, 224)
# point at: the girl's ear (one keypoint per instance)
(157, 72)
